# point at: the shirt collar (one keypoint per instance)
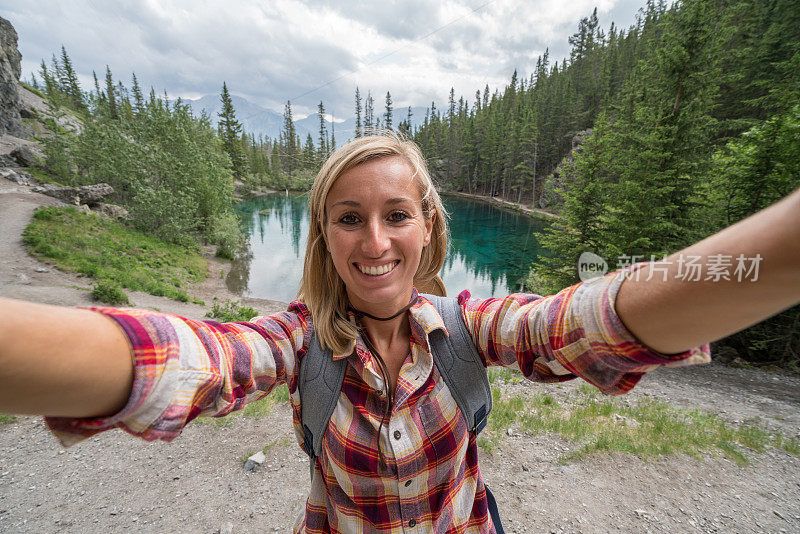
(422, 317)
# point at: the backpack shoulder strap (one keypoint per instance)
(460, 364)
(320, 384)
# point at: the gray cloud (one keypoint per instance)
(409, 19)
(269, 52)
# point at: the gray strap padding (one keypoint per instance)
(320, 384)
(460, 364)
(458, 361)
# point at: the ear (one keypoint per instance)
(429, 229)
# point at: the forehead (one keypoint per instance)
(375, 181)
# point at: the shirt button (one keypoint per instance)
(412, 523)
(396, 434)
(408, 483)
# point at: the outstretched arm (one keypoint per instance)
(671, 315)
(61, 361)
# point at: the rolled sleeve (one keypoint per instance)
(184, 369)
(574, 333)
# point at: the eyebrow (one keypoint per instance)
(353, 203)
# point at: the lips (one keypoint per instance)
(377, 270)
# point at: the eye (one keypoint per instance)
(348, 219)
(398, 216)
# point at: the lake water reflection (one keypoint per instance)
(490, 251)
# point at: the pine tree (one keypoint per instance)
(111, 96)
(69, 83)
(368, 110)
(388, 114)
(333, 134)
(98, 98)
(138, 97)
(323, 149)
(58, 74)
(581, 227)
(50, 85)
(230, 131)
(288, 142)
(309, 154)
(358, 113)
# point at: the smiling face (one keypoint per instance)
(375, 231)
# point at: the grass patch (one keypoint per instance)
(108, 250)
(45, 177)
(259, 408)
(7, 419)
(649, 428)
(503, 375)
(230, 311)
(33, 90)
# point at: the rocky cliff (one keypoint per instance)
(10, 103)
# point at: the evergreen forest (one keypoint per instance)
(643, 141)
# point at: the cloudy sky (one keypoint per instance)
(306, 51)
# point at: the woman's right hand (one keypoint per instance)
(61, 361)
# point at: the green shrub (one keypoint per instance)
(230, 311)
(109, 292)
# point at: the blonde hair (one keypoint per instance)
(322, 289)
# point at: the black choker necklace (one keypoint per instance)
(359, 313)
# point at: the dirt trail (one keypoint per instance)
(115, 483)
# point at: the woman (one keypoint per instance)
(397, 454)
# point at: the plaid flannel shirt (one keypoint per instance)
(430, 481)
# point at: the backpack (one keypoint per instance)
(456, 357)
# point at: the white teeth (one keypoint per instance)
(377, 271)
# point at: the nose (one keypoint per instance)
(376, 239)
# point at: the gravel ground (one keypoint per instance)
(116, 483)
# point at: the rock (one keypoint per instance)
(20, 177)
(625, 421)
(254, 461)
(240, 188)
(112, 210)
(258, 457)
(85, 194)
(580, 138)
(83, 208)
(226, 528)
(42, 270)
(10, 69)
(525, 467)
(739, 363)
(7, 161)
(250, 465)
(24, 156)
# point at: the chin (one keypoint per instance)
(377, 297)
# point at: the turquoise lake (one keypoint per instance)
(490, 252)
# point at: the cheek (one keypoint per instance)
(338, 247)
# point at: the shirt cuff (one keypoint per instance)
(149, 351)
(616, 358)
